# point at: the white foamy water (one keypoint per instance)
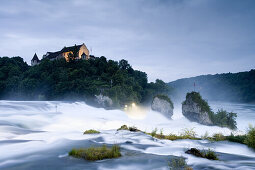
(33, 127)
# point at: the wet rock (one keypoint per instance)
(193, 109)
(195, 152)
(162, 105)
(104, 101)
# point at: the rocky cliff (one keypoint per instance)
(193, 110)
(162, 105)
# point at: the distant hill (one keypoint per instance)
(235, 87)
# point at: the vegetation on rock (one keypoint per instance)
(178, 163)
(91, 131)
(131, 128)
(165, 97)
(222, 118)
(209, 154)
(96, 153)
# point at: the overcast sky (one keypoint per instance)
(166, 39)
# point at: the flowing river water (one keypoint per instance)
(39, 135)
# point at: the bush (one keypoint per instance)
(250, 138)
(225, 119)
(123, 127)
(154, 132)
(219, 137)
(91, 131)
(205, 154)
(96, 153)
(237, 138)
(131, 128)
(210, 155)
(188, 133)
(178, 163)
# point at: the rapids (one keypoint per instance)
(39, 135)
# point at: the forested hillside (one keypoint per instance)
(237, 87)
(77, 79)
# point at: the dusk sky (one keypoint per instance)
(166, 39)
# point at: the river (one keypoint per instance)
(39, 135)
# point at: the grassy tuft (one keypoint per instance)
(91, 131)
(131, 129)
(236, 138)
(188, 133)
(219, 137)
(250, 137)
(123, 127)
(178, 163)
(204, 154)
(210, 155)
(96, 153)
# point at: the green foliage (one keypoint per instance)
(185, 134)
(131, 128)
(236, 138)
(209, 154)
(188, 133)
(91, 131)
(250, 138)
(164, 97)
(96, 153)
(77, 79)
(178, 164)
(225, 119)
(219, 137)
(154, 132)
(123, 127)
(196, 97)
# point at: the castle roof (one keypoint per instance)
(35, 58)
(51, 55)
(72, 48)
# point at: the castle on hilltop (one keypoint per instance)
(82, 53)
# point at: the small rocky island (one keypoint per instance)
(163, 104)
(196, 109)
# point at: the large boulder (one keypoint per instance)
(196, 109)
(104, 101)
(163, 105)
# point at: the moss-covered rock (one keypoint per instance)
(163, 104)
(197, 109)
(96, 153)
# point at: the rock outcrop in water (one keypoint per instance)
(162, 104)
(104, 101)
(196, 109)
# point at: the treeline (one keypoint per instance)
(237, 87)
(77, 79)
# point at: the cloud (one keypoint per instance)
(166, 39)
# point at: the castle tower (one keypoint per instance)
(35, 60)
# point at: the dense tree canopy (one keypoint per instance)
(77, 79)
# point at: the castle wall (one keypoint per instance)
(82, 50)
